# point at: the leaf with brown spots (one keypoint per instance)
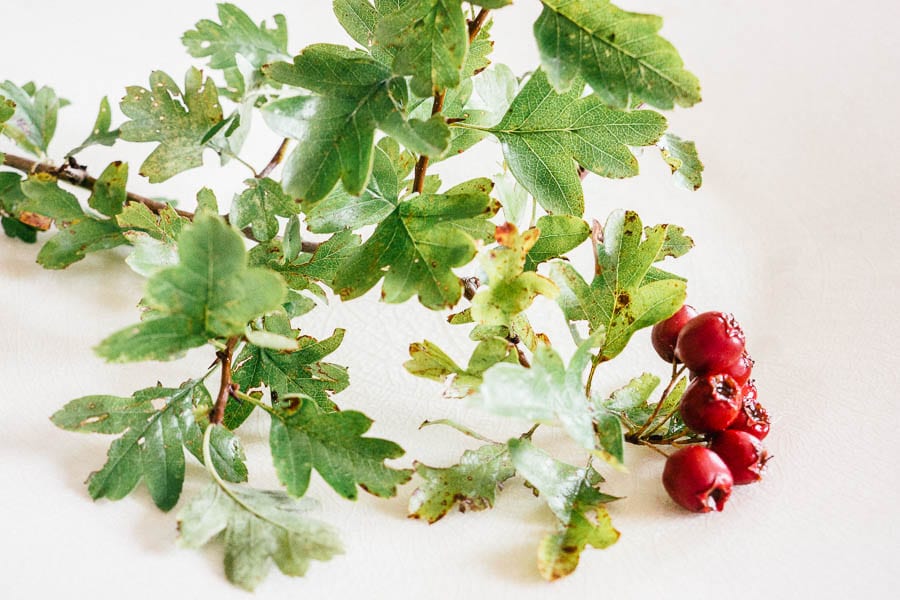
(573, 496)
(156, 422)
(509, 289)
(471, 484)
(416, 247)
(621, 299)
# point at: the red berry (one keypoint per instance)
(697, 479)
(742, 452)
(710, 403)
(710, 342)
(752, 418)
(665, 333)
(740, 370)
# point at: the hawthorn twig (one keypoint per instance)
(226, 386)
(475, 26)
(74, 174)
(276, 160)
(422, 163)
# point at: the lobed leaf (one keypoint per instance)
(545, 133)
(210, 293)
(150, 448)
(682, 157)
(620, 300)
(259, 205)
(472, 484)
(417, 245)
(258, 527)
(332, 443)
(32, 123)
(574, 498)
(510, 289)
(354, 95)
(548, 392)
(178, 120)
(617, 52)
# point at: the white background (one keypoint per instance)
(796, 231)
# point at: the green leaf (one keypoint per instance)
(509, 289)
(548, 392)
(472, 483)
(332, 443)
(16, 229)
(109, 193)
(360, 19)
(45, 197)
(430, 362)
(336, 127)
(632, 402)
(545, 133)
(342, 210)
(77, 239)
(610, 437)
(260, 527)
(100, 134)
(675, 243)
(151, 447)
(258, 206)
(211, 293)
(237, 35)
(149, 255)
(164, 226)
(305, 271)
(618, 53)
(78, 233)
(7, 110)
(683, 158)
(300, 372)
(633, 396)
(559, 234)
(417, 245)
(33, 122)
(619, 300)
(177, 120)
(574, 498)
(429, 40)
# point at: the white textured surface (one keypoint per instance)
(795, 225)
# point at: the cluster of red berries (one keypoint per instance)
(719, 402)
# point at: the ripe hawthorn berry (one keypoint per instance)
(752, 418)
(664, 334)
(740, 370)
(711, 403)
(697, 479)
(742, 452)
(710, 342)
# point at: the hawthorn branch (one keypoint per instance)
(276, 160)
(475, 26)
(74, 174)
(422, 164)
(226, 386)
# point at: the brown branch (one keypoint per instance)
(276, 160)
(422, 164)
(74, 174)
(226, 386)
(477, 23)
